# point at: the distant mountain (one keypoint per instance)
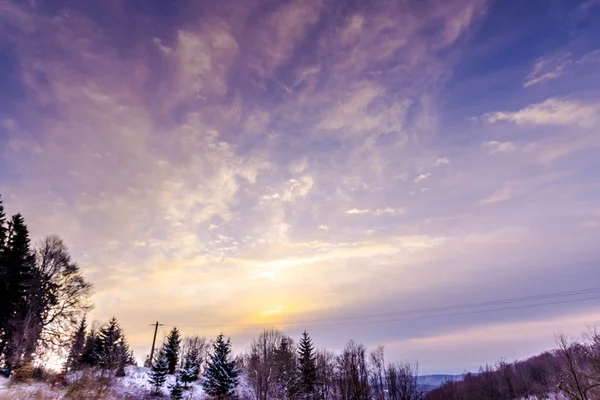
(430, 382)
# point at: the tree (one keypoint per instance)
(261, 363)
(176, 390)
(191, 367)
(111, 348)
(64, 294)
(5, 304)
(286, 371)
(159, 371)
(18, 278)
(353, 375)
(76, 351)
(221, 373)
(402, 382)
(306, 366)
(171, 348)
(576, 381)
(378, 373)
(325, 388)
(89, 356)
(45, 291)
(195, 343)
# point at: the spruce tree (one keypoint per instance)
(286, 372)
(159, 371)
(307, 368)
(112, 349)
(191, 367)
(221, 373)
(5, 305)
(77, 348)
(3, 227)
(176, 390)
(171, 347)
(19, 276)
(89, 356)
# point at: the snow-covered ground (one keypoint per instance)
(133, 386)
(34, 390)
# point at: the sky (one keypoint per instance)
(226, 166)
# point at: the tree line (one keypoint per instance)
(43, 294)
(276, 367)
(571, 369)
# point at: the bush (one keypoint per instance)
(22, 374)
(89, 386)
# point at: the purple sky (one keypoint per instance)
(254, 162)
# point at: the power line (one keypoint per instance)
(367, 319)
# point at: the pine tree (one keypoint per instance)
(77, 348)
(19, 275)
(5, 305)
(307, 368)
(176, 390)
(286, 374)
(171, 348)
(191, 367)
(159, 371)
(111, 347)
(221, 373)
(3, 228)
(89, 356)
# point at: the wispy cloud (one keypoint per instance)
(377, 212)
(218, 152)
(551, 111)
(494, 146)
(547, 69)
(422, 177)
(503, 194)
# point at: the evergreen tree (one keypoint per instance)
(89, 356)
(159, 371)
(307, 368)
(19, 275)
(171, 347)
(42, 294)
(5, 305)
(77, 348)
(191, 367)
(111, 348)
(286, 374)
(221, 373)
(176, 390)
(3, 227)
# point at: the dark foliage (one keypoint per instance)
(171, 348)
(307, 368)
(221, 372)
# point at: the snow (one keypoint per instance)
(35, 390)
(134, 385)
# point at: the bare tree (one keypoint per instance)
(196, 343)
(58, 300)
(402, 382)
(326, 388)
(576, 380)
(378, 373)
(353, 375)
(261, 363)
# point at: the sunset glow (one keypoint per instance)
(225, 166)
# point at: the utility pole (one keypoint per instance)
(154, 342)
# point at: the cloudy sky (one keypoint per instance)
(223, 166)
